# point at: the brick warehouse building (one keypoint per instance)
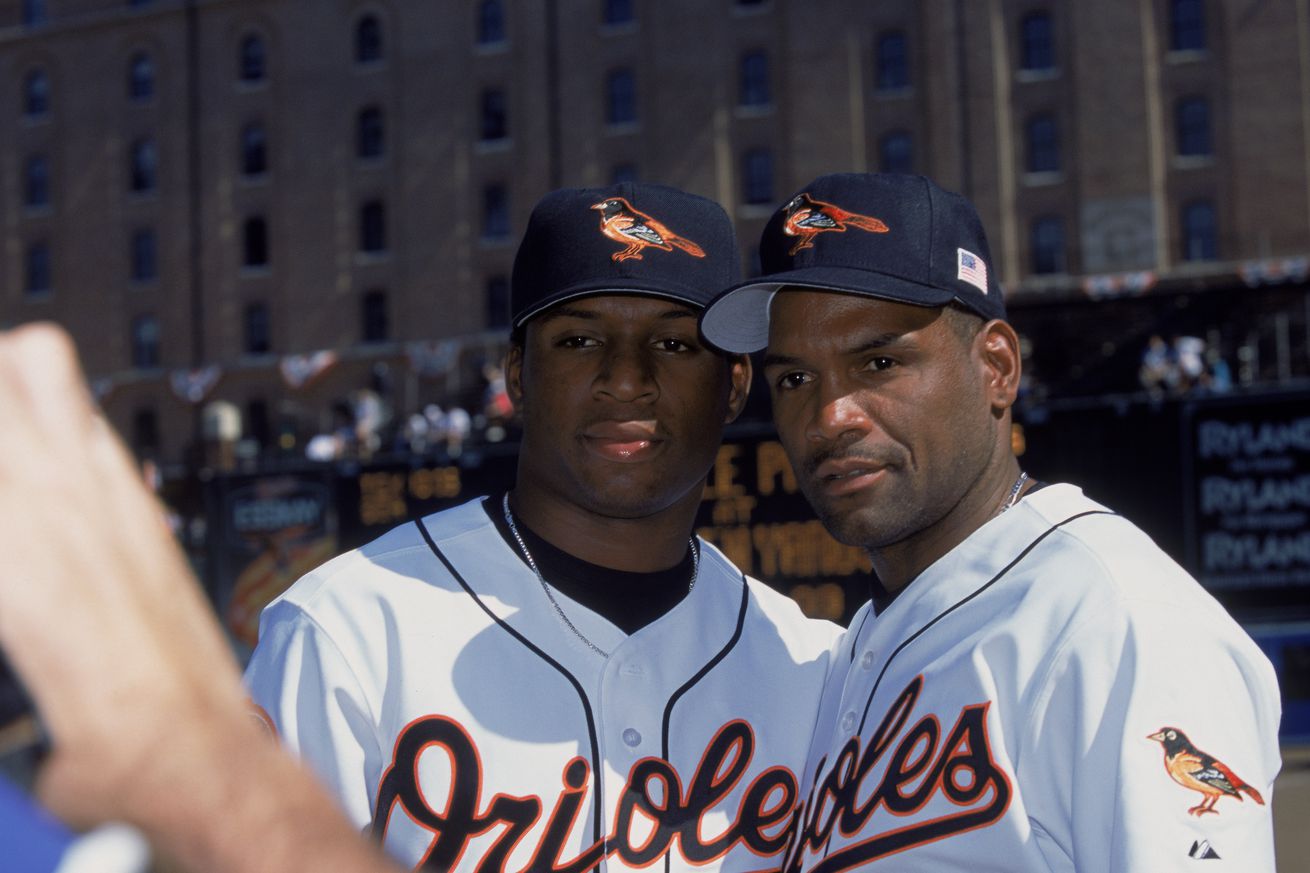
(209, 192)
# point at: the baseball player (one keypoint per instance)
(1034, 685)
(563, 677)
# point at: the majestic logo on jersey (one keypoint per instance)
(807, 218)
(653, 812)
(1191, 768)
(621, 222)
(873, 805)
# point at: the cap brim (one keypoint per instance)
(608, 288)
(738, 320)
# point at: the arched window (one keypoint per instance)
(896, 152)
(368, 40)
(254, 149)
(252, 62)
(140, 77)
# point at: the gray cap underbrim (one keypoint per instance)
(738, 320)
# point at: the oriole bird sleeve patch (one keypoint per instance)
(1200, 771)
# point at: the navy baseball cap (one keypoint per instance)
(630, 238)
(886, 235)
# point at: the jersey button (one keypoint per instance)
(632, 737)
(848, 722)
(867, 661)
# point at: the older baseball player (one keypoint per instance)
(1035, 684)
(563, 677)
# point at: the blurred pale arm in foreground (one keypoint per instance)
(101, 617)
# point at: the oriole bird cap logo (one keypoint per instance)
(1200, 771)
(806, 218)
(636, 231)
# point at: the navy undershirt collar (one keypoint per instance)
(629, 600)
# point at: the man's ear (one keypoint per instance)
(1002, 363)
(739, 374)
(514, 374)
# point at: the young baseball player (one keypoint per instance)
(1035, 685)
(563, 677)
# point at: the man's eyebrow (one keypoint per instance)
(872, 344)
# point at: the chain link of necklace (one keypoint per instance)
(550, 595)
(1014, 493)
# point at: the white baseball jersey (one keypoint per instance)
(428, 679)
(1053, 694)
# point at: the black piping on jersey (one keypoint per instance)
(598, 827)
(988, 584)
(700, 674)
(858, 631)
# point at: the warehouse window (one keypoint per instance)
(1043, 141)
(374, 321)
(251, 62)
(1187, 25)
(1048, 245)
(1200, 237)
(36, 182)
(145, 342)
(1037, 49)
(258, 336)
(491, 22)
(892, 61)
(494, 120)
(370, 133)
(896, 152)
(753, 86)
(36, 94)
(145, 261)
(368, 40)
(143, 174)
(1192, 125)
(254, 150)
(254, 242)
(140, 78)
(757, 176)
(373, 227)
(620, 97)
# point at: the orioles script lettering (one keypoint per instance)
(653, 814)
(919, 767)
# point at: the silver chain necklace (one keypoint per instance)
(550, 594)
(1014, 493)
